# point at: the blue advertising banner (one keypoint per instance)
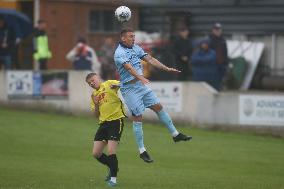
(37, 84)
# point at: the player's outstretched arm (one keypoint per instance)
(133, 72)
(156, 63)
(115, 86)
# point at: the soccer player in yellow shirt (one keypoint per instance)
(108, 107)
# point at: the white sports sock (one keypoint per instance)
(141, 150)
(113, 179)
(174, 134)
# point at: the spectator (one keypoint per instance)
(204, 66)
(217, 42)
(183, 51)
(41, 49)
(83, 57)
(108, 67)
(7, 42)
(15, 52)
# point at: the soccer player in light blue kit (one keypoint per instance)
(137, 95)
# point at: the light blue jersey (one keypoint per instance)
(132, 55)
(137, 96)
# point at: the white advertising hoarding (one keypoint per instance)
(261, 110)
(251, 51)
(19, 82)
(169, 94)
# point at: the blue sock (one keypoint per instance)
(138, 133)
(167, 121)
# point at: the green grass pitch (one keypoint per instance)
(48, 151)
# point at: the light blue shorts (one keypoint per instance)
(137, 97)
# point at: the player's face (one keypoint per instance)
(128, 39)
(94, 82)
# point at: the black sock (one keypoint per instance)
(103, 159)
(113, 165)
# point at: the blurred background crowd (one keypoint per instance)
(191, 36)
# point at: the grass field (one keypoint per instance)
(49, 151)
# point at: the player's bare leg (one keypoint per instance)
(98, 152)
(167, 121)
(98, 149)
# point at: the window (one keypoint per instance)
(103, 21)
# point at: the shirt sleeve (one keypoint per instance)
(114, 82)
(141, 52)
(121, 58)
(92, 104)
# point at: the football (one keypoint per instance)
(123, 14)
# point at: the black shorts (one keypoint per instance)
(110, 130)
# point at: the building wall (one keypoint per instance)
(69, 19)
(249, 17)
(9, 4)
(200, 104)
(79, 102)
(279, 53)
(273, 60)
(256, 20)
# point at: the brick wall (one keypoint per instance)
(68, 20)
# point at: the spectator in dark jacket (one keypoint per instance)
(183, 51)
(7, 42)
(204, 66)
(217, 42)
